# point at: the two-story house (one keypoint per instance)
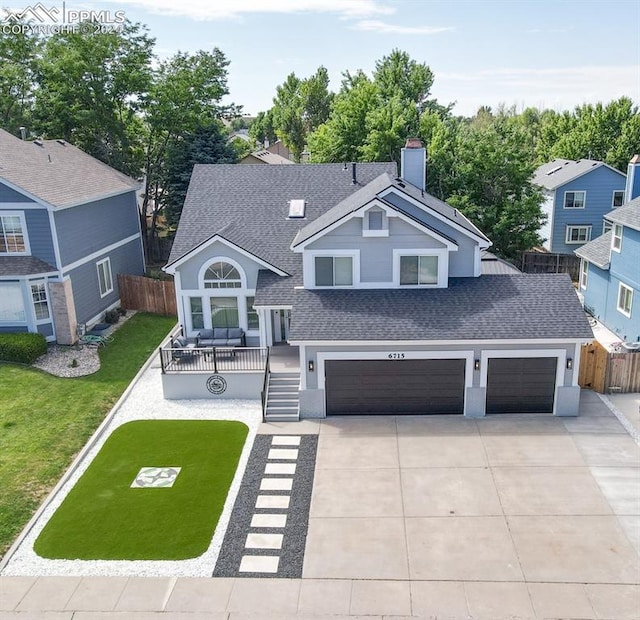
(578, 194)
(68, 225)
(380, 287)
(610, 266)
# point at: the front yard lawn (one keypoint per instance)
(104, 518)
(45, 420)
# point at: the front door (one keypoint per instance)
(281, 320)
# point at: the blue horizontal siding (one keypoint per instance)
(8, 194)
(40, 237)
(88, 228)
(599, 185)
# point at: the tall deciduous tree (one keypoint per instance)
(89, 87)
(19, 52)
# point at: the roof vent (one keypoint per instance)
(38, 142)
(296, 208)
(61, 142)
(554, 170)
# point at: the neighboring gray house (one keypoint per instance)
(380, 287)
(68, 226)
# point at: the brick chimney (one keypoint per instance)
(413, 163)
(632, 189)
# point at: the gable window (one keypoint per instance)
(334, 270)
(197, 313)
(578, 234)
(224, 312)
(584, 273)
(574, 200)
(40, 301)
(11, 303)
(375, 220)
(252, 314)
(625, 299)
(375, 224)
(618, 198)
(105, 281)
(418, 270)
(616, 239)
(222, 275)
(12, 234)
(606, 226)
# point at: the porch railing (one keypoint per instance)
(265, 386)
(213, 359)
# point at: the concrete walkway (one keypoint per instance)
(528, 517)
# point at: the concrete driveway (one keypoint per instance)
(528, 517)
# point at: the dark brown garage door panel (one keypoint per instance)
(521, 384)
(395, 387)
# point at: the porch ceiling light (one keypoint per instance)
(476, 365)
(311, 366)
(569, 363)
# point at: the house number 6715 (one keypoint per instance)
(396, 356)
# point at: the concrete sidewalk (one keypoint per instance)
(516, 516)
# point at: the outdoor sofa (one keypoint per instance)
(221, 337)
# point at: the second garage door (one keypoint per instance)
(521, 385)
(395, 387)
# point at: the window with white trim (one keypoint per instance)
(418, 270)
(40, 301)
(105, 281)
(334, 271)
(574, 200)
(578, 234)
(375, 223)
(616, 238)
(224, 312)
(584, 273)
(252, 314)
(618, 198)
(222, 275)
(625, 299)
(606, 226)
(197, 313)
(12, 234)
(12, 303)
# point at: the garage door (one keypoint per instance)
(394, 387)
(521, 385)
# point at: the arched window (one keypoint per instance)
(222, 275)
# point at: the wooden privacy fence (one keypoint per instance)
(546, 262)
(147, 294)
(604, 372)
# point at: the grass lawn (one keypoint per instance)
(103, 518)
(45, 420)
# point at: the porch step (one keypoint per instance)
(283, 400)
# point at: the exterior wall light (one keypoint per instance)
(569, 363)
(311, 366)
(476, 365)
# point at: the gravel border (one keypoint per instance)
(295, 531)
(144, 402)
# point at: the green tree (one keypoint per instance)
(89, 89)
(262, 128)
(19, 54)
(205, 145)
(492, 186)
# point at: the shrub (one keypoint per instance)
(111, 316)
(24, 348)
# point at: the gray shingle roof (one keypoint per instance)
(492, 265)
(627, 215)
(561, 171)
(266, 157)
(57, 172)
(248, 205)
(23, 266)
(496, 307)
(275, 290)
(597, 251)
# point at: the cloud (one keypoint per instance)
(560, 88)
(211, 10)
(371, 25)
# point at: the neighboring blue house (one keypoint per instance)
(578, 194)
(610, 266)
(68, 226)
(379, 288)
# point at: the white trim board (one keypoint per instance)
(396, 343)
(171, 268)
(99, 253)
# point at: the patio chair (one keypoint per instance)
(183, 348)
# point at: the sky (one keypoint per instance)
(542, 53)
